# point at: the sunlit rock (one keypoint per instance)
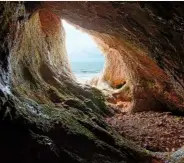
(47, 116)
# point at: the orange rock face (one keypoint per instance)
(50, 23)
(139, 65)
(42, 106)
(135, 46)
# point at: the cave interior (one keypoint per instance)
(131, 113)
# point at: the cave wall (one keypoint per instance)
(40, 59)
(146, 85)
(148, 39)
(144, 25)
(37, 130)
(7, 31)
(40, 68)
(35, 127)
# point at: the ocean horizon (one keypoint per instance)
(85, 70)
(85, 58)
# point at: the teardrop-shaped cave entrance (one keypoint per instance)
(85, 58)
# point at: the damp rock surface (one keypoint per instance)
(46, 116)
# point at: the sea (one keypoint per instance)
(85, 58)
(85, 70)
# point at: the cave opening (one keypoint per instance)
(85, 58)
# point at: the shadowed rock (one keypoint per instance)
(45, 115)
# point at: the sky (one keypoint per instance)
(80, 46)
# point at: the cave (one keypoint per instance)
(47, 116)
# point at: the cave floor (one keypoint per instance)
(155, 131)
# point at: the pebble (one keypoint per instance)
(155, 131)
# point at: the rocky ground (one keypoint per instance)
(155, 131)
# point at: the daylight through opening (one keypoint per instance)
(85, 58)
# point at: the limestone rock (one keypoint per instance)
(46, 116)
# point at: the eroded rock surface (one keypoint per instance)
(148, 41)
(46, 116)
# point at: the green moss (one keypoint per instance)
(70, 121)
(148, 83)
(47, 115)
